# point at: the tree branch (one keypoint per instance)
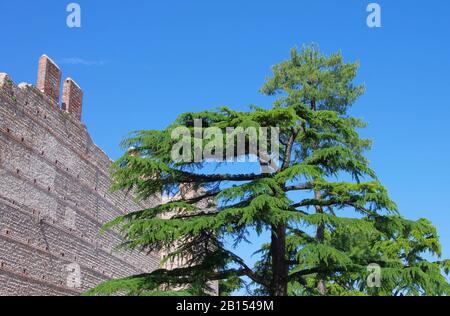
(288, 151)
(188, 177)
(318, 202)
(298, 187)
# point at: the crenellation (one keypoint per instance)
(72, 98)
(54, 194)
(49, 78)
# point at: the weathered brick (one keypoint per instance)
(54, 194)
(49, 77)
(72, 100)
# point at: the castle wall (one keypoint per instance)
(54, 194)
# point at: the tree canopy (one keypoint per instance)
(328, 216)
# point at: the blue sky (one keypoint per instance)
(141, 63)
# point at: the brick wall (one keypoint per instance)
(54, 194)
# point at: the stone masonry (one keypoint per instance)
(54, 194)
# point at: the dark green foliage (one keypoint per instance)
(328, 214)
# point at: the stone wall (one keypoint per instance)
(54, 194)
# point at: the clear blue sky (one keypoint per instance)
(140, 63)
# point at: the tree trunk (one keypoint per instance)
(280, 267)
(320, 233)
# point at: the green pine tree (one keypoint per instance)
(328, 215)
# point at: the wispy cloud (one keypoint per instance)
(81, 61)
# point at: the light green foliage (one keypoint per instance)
(326, 228)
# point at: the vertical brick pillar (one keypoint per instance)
(49, 77)
(72, 100)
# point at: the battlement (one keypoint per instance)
(49, 77)
(72, 100)
(54, 194)
(49, 84)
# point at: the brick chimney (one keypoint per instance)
(72, 100)
(49, 78)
